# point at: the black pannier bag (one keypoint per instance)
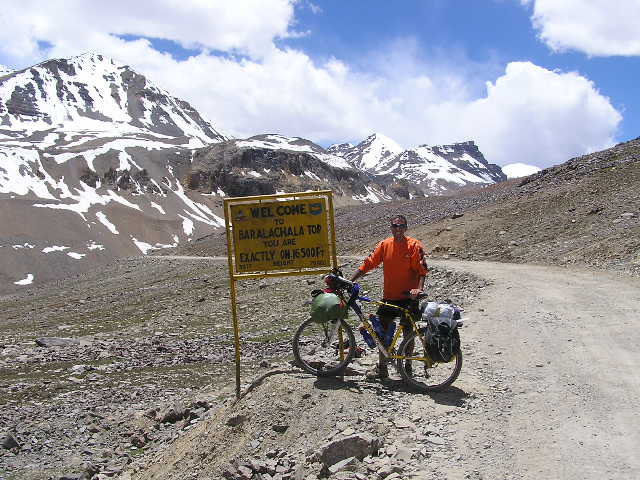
(441, 335)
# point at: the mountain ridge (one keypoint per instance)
(436, 169)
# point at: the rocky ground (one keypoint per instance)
(128, 370)
(106, 367)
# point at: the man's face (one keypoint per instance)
(398, 227)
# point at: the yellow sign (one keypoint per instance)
(280, 235)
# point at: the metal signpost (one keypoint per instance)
(275, 236)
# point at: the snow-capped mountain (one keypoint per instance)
(435, 169)
(91, 92)
(92, 161)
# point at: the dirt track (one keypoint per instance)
(568, 341)
(548, 390)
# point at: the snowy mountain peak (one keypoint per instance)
(369, 153)
(373, 150)
(380, 139)
(339, 149)
(95, 93)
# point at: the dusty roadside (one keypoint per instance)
(548, 385)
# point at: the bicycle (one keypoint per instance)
(321, 348)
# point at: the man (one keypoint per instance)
(405, 269)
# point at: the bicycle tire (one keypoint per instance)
(318, 355)
(427, 379)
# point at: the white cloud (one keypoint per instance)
(539, 117)
(247, 27)
(517, 170)
(528, 114)
(595, 27)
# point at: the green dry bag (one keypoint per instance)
(327, 306)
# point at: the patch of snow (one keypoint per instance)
(159, 187)
(187, 225)
(24, 245)
(105, 221)
(146, 247)
(117, 198)
(25, 281)
(54, 248)
(84, 198)
(158, 207)
(311, 175)
(75, 255)
(200, 211)
(95, 246)
(254, 173)
(143, 246)
(21, 172)
(372, 196)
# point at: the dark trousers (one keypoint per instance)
(389, 314)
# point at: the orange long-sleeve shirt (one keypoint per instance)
(404, 264)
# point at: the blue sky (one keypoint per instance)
(531, 81)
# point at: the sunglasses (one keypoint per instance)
(398, 225)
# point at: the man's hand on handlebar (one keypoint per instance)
(414, 293)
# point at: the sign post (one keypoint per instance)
(277, 235)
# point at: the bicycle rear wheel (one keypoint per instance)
(317, 347)
(417, 373)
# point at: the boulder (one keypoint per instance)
(359, 446)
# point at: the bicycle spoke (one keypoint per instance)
(324, 348)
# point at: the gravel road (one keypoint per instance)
(564, 342)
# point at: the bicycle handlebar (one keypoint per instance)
(341, 282)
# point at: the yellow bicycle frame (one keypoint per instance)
(390, 351)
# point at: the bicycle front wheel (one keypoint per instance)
(418, 371)
(324, 349)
